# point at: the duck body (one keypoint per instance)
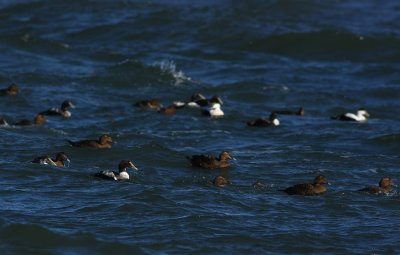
(211, 162)
(60, 160)
(169, 110)
(260, 122)
(12, 90)
(361, 116)
(149, 103)
(220, 181)
(214, 111)
(307, 189)
(385, 186)
(197, 100)
(63, 111)
(39, 120)
(103, 143)
(122, 174)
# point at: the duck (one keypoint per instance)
(261, 122)
(11, 90)
(149, 103)
(60, 160)
(103, 142)
(220, 181)
(63, 111)
(299, 112)
(214, 111)
(122, 173)
(197, 100)
(39, 120)
(211, 162)
(258, 185)
(361, 116)
(385, 186)
(169, 110)
(306, 189)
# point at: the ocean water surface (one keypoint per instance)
(329, 57)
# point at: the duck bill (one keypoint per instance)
(134, 167)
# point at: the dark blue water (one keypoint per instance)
(327, 56)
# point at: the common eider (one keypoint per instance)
(63, 111)
(122, 173)
(210, 161)
(103, 142)
(315, 188)
(11, 90)
(60, 160)
(261, 122)
(385, 186)
(361, 116)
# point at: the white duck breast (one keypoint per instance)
(215, 111)
(362, 115)
(122, 175)
(113, 175)
(276, 122)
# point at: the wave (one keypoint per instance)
(131, 71)
(329, 45)
(391, 142)
(34, 239)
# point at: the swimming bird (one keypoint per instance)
(63, 111)
(258, 185)
(103, 142)
(315, 188)
(169, 110)
(214, 111)
(261, 122)
(11, 90)
(385, 186)
(220, 181)
(149, 103)
(39, 120)
(122, 173)
(361, 116)
(299, 112)
(211, 162)
(198, 100)
(60, 160)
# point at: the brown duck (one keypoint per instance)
(385, 186)
(103, 142)
(169, 110)
(305, 189)
(148, 103)
(220, 181)
(60, 160)
(211, 162)
(39, 120)
(12, 90)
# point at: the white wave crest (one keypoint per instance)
(169, 66)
